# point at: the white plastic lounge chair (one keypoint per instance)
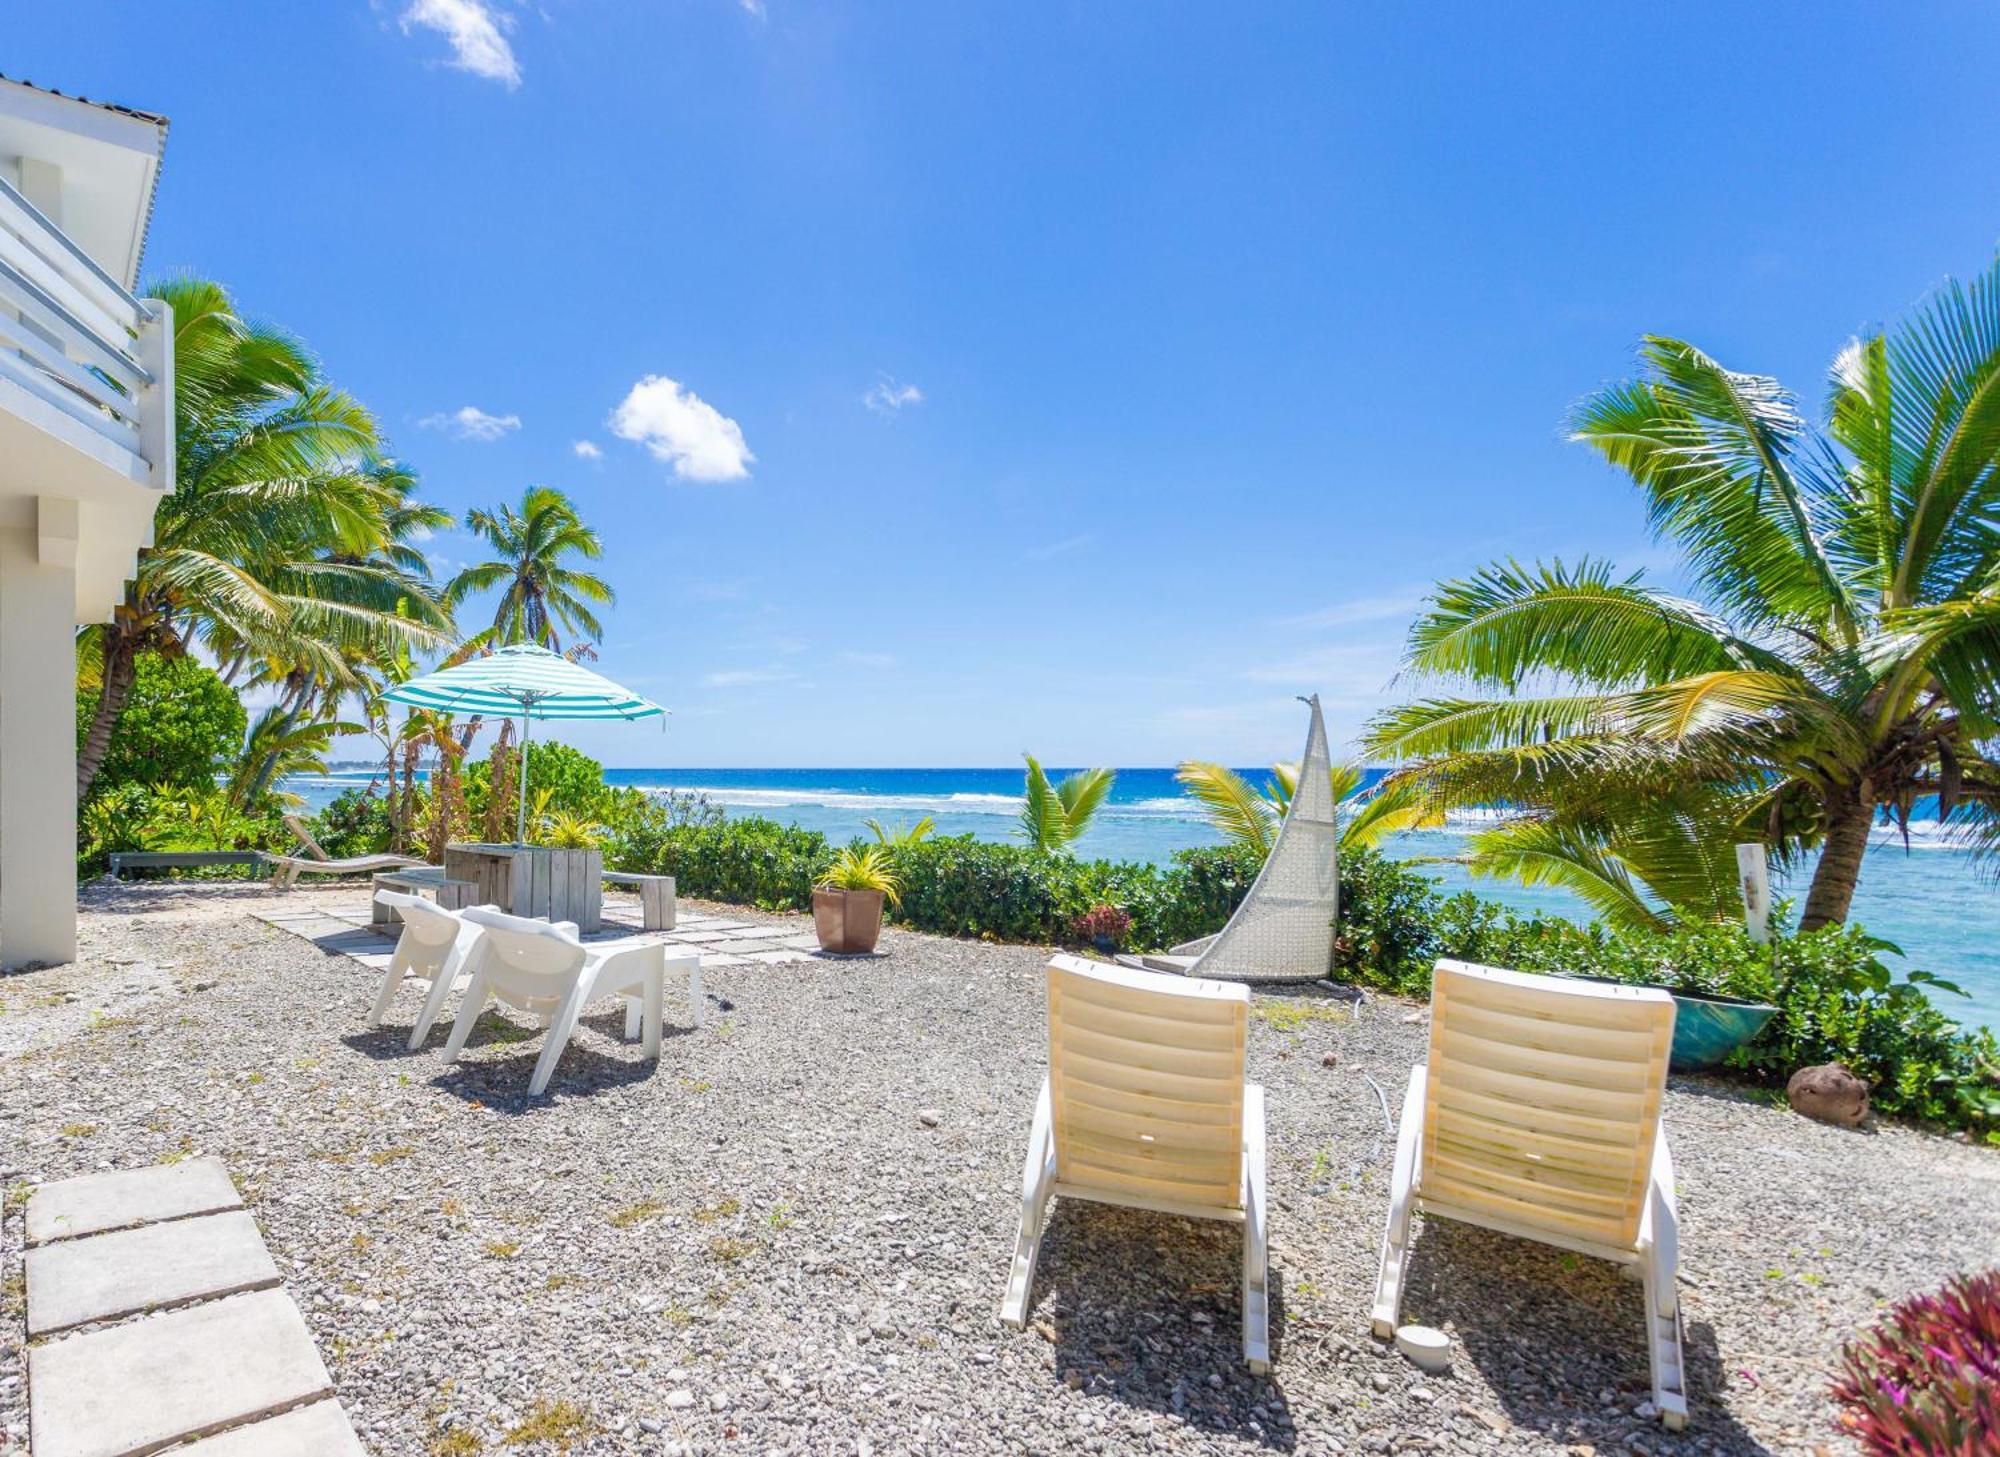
(436, 946)
(1538, 1115)
(286, 869)
(1145, 1105)
(1283, 930)
(545, 970)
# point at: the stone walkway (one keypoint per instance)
(344, 927)
(157, 1317)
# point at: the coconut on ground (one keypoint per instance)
(793, 1233)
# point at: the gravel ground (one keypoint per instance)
(792, 1235)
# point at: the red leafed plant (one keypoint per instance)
(1101, 925)
(1926, 1381)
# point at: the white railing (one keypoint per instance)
(76, 341)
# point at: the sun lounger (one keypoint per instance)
(286, 869)
(1145, 1105)
(1538, 1115)
(545, 970)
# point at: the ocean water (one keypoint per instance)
(1931, 899)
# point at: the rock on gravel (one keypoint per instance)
(763, 1244)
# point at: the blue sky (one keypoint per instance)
(1082, 378)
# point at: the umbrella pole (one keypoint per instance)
(521, 808)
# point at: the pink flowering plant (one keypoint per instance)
(1926, 1381)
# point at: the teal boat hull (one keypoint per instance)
(1708, 1029)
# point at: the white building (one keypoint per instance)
(86, 452)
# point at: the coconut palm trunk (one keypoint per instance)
(1839, 870)
(121, 669)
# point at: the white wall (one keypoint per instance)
(37, 745)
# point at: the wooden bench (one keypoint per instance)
(451, 895)
(124, 860)
(656, 897)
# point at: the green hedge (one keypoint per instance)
(1837, 1000)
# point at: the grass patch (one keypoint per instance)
(638, 1213)
(503, 1249)
(77, 1130)
(1291, 1016)
(731, 1251)
(452, 1208)
(560, 1422)
(458, 1442)
(498, 1029)
(723, 1208)
(383, 1156)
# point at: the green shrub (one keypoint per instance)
(574, 780)
(1837, 1000)
(182, 726)
(354, 822)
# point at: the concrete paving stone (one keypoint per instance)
(106, 1276)
(99, 1202)
(778, 957)
(319, 1430)
(136, 1387)
(718, 958)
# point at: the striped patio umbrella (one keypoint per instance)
(527, 682)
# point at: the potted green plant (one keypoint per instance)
(1103, 927)
(847, 901)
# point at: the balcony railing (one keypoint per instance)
(76, 341)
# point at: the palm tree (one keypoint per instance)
(1052, 816)
(276, 528)
(1250, 816)
(1843, 657)
(902, 837)
(533, 546)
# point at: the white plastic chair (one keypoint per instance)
(1145, 1105)
(543, 969)
(436, 946)
(1538, 1115)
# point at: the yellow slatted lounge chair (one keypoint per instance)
(1538, 1115)
(1145, 1105)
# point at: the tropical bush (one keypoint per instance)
(182, 726)
(571, 780)
(1925, 1382)
(1837, 999)
(355, 822)
(1101, 923)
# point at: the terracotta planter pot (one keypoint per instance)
(849, 922)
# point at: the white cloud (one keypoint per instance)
(586, 450)
(869, 660)
(889, 395)
(684, 430)
(1051, 550)
(1358, 610)
(476, 34)
(746, 677)
(469, 422)
(752, 7)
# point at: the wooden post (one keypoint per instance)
(1754, 872)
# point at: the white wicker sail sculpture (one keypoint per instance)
(1283, 930)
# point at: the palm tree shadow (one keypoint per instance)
(1115, 1287)
(1553, 1333)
